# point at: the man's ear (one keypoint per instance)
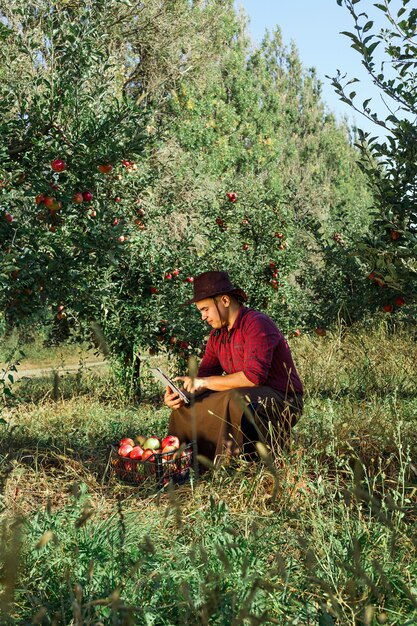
(226, 300)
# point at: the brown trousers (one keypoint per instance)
(226, 422)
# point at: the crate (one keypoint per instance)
(170, 466)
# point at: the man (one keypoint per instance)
(247, 388)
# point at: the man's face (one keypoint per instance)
(209, 312)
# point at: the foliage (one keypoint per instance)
(388, 162)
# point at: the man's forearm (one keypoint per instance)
(229, 381)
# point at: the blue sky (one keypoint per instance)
(314, 26)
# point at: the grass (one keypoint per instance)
(324, 534)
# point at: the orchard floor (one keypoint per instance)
(323, 535)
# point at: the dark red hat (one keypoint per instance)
(210, 284)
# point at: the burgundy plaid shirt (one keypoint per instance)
(254, 346)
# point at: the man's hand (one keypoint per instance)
(192, 384)
(172, 399)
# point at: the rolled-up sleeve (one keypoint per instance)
(262, 339)
(210, 364)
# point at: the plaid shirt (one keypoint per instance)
(254, 346)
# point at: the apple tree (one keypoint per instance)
(388, 51)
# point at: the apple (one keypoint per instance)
(272, 265)
(125, 449)
(152, 443)
(39, 198)
(173, 340)
(170, 452)
(245, 221)
(126, 163)
(232, 195)
(136, 452)
(184, 345)
(279, 235)
(52, 228)
(105, 168)
(148, 455)
(189, 279)
(9, 218)
(49, 201)
(274, 284)
(387, 308)
(282, 246)
(245, 246)
(394, 234)
(170, 440)
(117, 199)
(61, 307)
(321, 332)
(154, 290)
(122, 238)
(176, 271)
(87, 196)
(371, 276)
(126, 440)
(297, 332)
(399, 301)
(93, 214)
(77, 198)
(168, 276)
(140, 440)
(58, 165)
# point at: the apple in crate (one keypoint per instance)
(140, 440)
(148, 455)
(169, 452)
(125, 449)
(126, 440)
(136, 453)
(152, 443)
(170, 440)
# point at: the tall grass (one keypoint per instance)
(323, 534)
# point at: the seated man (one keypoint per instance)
(247, 388)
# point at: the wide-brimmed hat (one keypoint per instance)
(210, 284)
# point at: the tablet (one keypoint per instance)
(167, 382)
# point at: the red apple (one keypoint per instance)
(245, 246)
(279, 235)
(122, 238)
(321, 332)
(274, 284)
(93, 214)
(154, 290)
(152, 443)
(297, 332)
(77, 198)
(173, 340)
(61, 307)
(387, 308)
(232, 195)
(168, 276)
(117, 199)
(170, 440)
(125, 450)
(189, 279)
(399, 301)
(184, 345)
(105, 168)
(176, 271)
(136, 452)
(272, 265)
(87, 196)
(169, 451)
(394, 234)
(52, 228)
(371, 276)
(39, 198)
(9, 218)
(126, 440)
(58, 165)
(148, 455)
(49, 201)
(126, 163)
